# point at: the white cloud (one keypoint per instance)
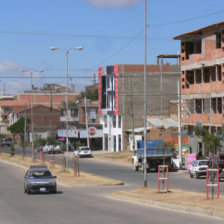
(113, 3)
(9, 72)
(8, 67)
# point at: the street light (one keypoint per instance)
(66, 52)
(31, 105)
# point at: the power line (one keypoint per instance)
(80, 35)
(187, 20)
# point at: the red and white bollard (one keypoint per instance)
(52, 161)
(42, 158)
(165, 178)
(210, 182)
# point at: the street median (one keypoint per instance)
(68, 178)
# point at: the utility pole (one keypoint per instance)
(87, 127)
(179, 124)
(25, 125)
(132, 115)
(145, 102)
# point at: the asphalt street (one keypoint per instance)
(78, 205)
(133, 179)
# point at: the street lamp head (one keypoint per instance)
(54, 48)
(79, 48)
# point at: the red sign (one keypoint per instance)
(100, 90)
(92, 131)
(116, 89)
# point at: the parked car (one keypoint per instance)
(48, 148)
(39, 179)
(83, 151)
(39, 148)
(57, 148)
(199, 168)
(6, 142)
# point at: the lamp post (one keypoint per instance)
(67, 52)
(145, 98)
(31, 107)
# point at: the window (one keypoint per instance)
(74, 112)
(219, 76)
(190, 77)
(219, 105)
(198, 106)
(198, 76)
(114, 121)
(218, 40)
(207, 75)
(213, 74)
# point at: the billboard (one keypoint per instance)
(93, 133)
(72, 133)
(189, 158)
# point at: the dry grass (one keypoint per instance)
(178, 197)
(68, 178)
(124, 157)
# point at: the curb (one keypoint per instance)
(169, 206)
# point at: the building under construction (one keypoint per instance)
(202, 78)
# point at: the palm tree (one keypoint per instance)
(212, 143)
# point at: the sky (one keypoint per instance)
(111, 32)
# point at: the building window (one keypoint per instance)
(198, 106)
(190, 77)
(198, 76)
(219, 76)
(119, 121)
(74, 112)
(213, 73)
(218, 40)
(207, 75)
(219, 105)
(114, 121)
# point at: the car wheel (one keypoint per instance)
(25, 190)
(191, 175)
(197, 175)
(28, 191)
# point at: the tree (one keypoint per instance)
(212, 143)
(18, 127)
(51, 140)
(89, 94)
(70, 104)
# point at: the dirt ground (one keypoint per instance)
(124, 157)
(178, 197)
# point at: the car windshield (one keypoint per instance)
(40, 174)
(203, 162)
(85, 148)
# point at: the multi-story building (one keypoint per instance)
(6, 108)
(121, 98)
(50, 95)
(202, 78)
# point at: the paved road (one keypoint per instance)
(78, 206)
(132, 179)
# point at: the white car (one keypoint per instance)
(83, 151)
(48, 148)
(199, 168)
